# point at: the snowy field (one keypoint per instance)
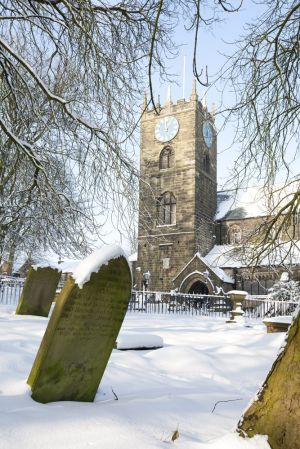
(203, 361)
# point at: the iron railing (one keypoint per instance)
(10, 289)
(207, 305)
(264, 306)
(173, 302)
(188, 304)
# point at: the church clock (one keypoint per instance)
(178, 193)
(207, 134)
(166, 129)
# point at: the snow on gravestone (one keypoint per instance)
(82, 329)
(38, 291)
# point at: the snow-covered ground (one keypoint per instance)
(204, 360)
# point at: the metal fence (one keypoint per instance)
(166, 302)
(173, 303)
(263, 307)
(10, 290)
(206, 305)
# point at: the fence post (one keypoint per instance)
(236, 314)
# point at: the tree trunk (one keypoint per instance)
(276, 411)
(11, 259)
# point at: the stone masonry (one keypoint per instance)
(164, 249)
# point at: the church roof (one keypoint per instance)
(256, 201)
(229, 256)
(215, 268)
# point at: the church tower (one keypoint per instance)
(178, 189)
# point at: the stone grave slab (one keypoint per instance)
(277, 324)
(82, 331)
(137, 342)
(38, 292)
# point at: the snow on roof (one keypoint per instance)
(47, 264)
(229, 256)
(47, 260)
(214, 268)
(253, 201)
(93, 262)
(217, 270)
(65, 266)
(224, 256)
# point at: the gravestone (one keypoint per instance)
(138, 342)
(276, 409)
(82, 330)
(38, 291)
(277, 324)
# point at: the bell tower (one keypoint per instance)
(178, 189)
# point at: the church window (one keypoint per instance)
(296, 218)
(166, 209)
(166, 158)
(206, 163)
(234, 235)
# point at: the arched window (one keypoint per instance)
(234, 235)
(166, 209)
(296, 218)
(206, 163)
(166, 158)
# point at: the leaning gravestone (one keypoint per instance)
(82, 329)
(276, 410)
(38, 291)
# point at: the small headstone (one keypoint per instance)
(277, 324)
(138, 342)
(38, 291)
(82, 330)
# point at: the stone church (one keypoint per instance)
(185, 225)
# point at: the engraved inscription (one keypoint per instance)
(81, 335)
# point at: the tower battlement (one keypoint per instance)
(178, 187)
(180, 105)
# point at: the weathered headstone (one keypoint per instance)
(82, 329)
(38, 291)
(277, 324)
(276, 411)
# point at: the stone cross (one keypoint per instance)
(38, 292)
(81, 335)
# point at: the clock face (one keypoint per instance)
(207, 134)
(166, 129)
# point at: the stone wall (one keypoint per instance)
(249, 226)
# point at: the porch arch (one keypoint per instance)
(196, 280)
